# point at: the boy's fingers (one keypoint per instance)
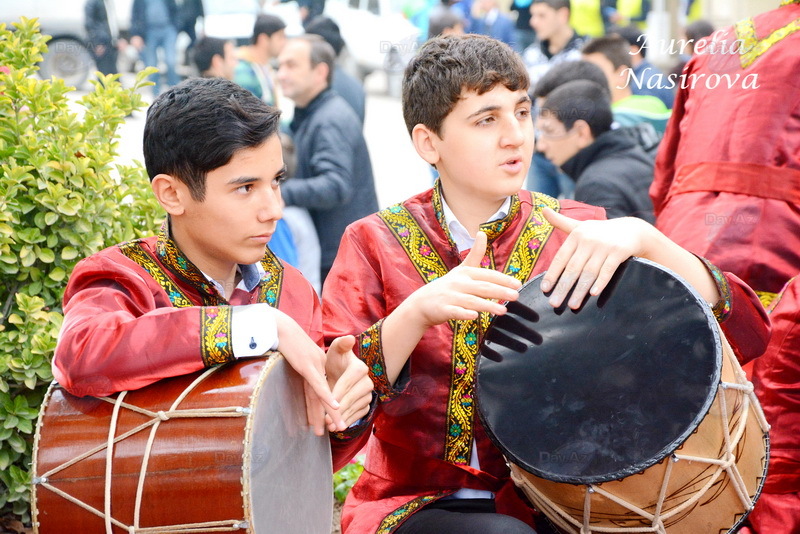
(477, 252)
(561, 222)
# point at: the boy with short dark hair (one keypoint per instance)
(206, 290)
(417, 284)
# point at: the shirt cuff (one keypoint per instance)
(254, 330)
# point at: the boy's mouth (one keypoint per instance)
(513, 164)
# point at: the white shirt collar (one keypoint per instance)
(459, 233)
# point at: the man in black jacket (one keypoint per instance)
(610, 169)
(334, 173)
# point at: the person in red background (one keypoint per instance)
(417, 284)
(727, 187)
(727, 177)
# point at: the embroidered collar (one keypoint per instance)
(171, 256)
(492, 228)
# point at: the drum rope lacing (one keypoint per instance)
(156, 419)
(726, 463)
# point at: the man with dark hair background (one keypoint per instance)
(334, 173)
(610, 170)
(345, 84)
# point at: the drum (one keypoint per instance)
(630, 414)
(226, 449)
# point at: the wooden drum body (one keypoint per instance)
(228, 449)
(629, 415)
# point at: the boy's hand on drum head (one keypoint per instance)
(590, 255)
(348, 378)
(465, 291)
(308, 359)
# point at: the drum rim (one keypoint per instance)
(669, 448)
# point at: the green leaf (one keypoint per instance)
(69, 253)
(58, 274)
(47, 255)
(50, 218)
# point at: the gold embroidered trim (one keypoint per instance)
(752, 47)
(466, 334)
(414, 241)
(172, 257)
(396, 518)
(371, 352)
(271, 280)
(215, 335)
(135, 252)
(766, 298)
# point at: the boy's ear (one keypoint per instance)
(583, 133)
(425, 143)
(169, 192)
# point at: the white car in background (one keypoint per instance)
(68, 55)
(377, 36)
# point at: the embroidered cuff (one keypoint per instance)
(371, 352)
(722, 308)
(357, 428)
(215, 335)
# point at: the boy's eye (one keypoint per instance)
(524, 112)
(486, 120)
(246, 188)
(278, 180)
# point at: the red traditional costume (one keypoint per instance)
(727, 178)
(140, 311)
(776, 376)
(424, 426)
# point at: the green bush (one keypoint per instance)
(62, 198)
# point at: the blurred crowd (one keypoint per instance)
(607, 119)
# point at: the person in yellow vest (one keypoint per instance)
(586, 17)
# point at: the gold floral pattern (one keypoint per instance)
(215, 335)
(396, 518)
(466, 334)
(135, 252)
(752, 47)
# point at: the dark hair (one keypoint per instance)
(441, 19)
(204, 51)
(321, 52)
(634, 36)
(555, 4)
(267, 24)
(328, 30)
(198, 125)
(445, 67)
(613, 47)
(580, 100)
(568, 71)
(699, 29)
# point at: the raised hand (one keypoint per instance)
(466, 290)
(349, 379)
(461, 294)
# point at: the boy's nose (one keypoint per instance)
(271, 206)
(514, 134)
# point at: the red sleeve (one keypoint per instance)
(748, 327)
(117, 336)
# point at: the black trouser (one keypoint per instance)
(462, 516)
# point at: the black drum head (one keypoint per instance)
(606, 391)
